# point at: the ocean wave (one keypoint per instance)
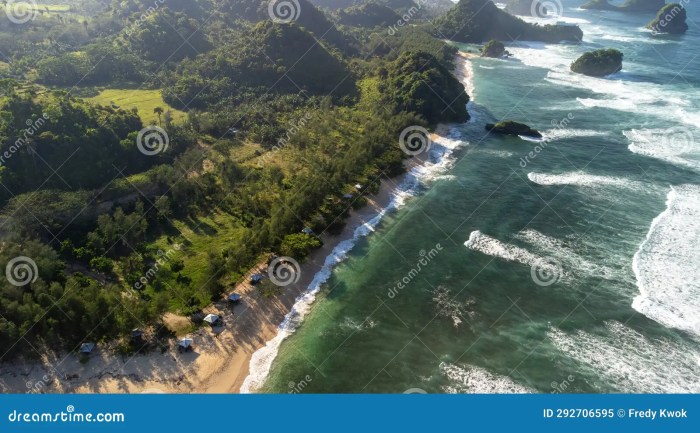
(490, 246)
(496, 152)
(440, 160)
(582, 179)
(555, 134)
(468, 379)
(677, 146)
(666, 264)
(357, 326)
(642, 38)
(631, 362)
(544, 253)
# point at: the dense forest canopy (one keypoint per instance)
(210, 132)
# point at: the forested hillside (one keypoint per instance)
(153, 151)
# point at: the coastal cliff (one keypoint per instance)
(476, 21)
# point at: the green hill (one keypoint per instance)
(476, 21)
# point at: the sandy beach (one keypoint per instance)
(220, 360)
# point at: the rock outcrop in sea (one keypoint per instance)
(670, 19)
(510, 127)
(598, 63)
(494, 49)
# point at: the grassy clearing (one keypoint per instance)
(211, 233)
(145, 101)
(43, 9)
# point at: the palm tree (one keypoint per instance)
(158, 111)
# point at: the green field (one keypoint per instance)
(145, 101)
(213, 232)
(42, 8)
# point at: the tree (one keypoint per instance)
(159, 112)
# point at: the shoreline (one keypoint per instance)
(221, 360)
(265, 355)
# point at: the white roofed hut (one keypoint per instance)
(185, 344)
(213, 319)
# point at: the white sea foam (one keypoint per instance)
(465, 70)
(543, 252)
(496, 152)
(667, 263)
(631, 362)
(555, 134)
(638, 97)
(467, 379)
(582, 179)
(440, 160)
(677, 146)
(490, 246)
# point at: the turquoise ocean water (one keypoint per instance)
(575, 270)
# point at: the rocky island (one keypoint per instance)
(476, 21)
(670, 19)
(494, 49)
(598, 63)
(510, 127)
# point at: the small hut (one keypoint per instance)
(212, 319)
(87, 348)
(185, 344)
(256, 278)
(136, 336)
(234, 298)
